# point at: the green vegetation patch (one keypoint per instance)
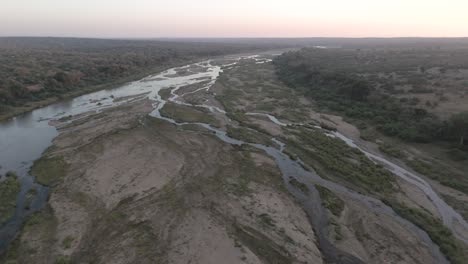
(249, 135)
(196, 128)
(49, 171)
(331, 156)
(229, 99)
(450, 246)
(244, 121)
(39, 229)
(262, 246)
(43, 220)
(330, 200)
(238, 116)
(391, 150)
(441, 173)
(459, 205)
(9, 189)
(67, 242)
(165, 93)
(11, 255)
(182, 113)
(299, 185)
(63, 260)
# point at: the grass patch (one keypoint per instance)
(261, 245)
(182, 113)
(459, 206)
(9, 189)
(196, 128)
(229, 99)
(67, 242)
(266, 106)
(238, 116)
(440, 173)
(244, 121)
(330, 200)
(41, 227)
(331, 156)
(420, 166)
(391, 150)
(249, 135)
(299, 185)
(165, 93)
(11, 255)
(49, 171)
(41, 218)
(450, 246)
(63, 260)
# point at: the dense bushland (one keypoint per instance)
(335, 81)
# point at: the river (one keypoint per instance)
(24, 138)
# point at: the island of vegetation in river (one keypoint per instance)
(9, 189)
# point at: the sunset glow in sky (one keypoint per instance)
(239, 18)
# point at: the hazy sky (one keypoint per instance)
(236, 18)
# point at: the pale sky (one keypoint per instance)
(234, 18)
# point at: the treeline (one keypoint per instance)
(34, 69)
(342, 90)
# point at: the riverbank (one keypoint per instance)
(15, 111)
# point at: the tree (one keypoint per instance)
(459, 126)
(18, 90)
(61, 77)
(358, 90)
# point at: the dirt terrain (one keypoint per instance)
(142, 190)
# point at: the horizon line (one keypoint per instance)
(230, 37)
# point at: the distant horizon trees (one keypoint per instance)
(34, 69)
